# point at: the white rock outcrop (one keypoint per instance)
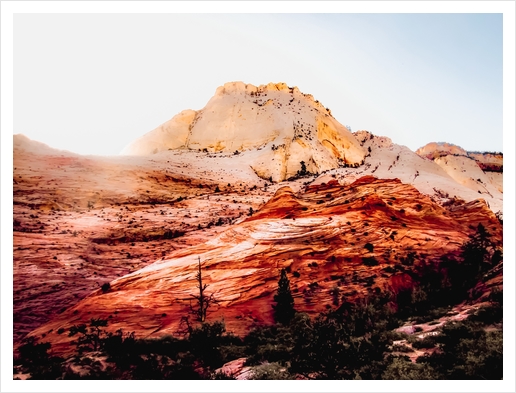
(480, 172)
(276, 126)
(447, 176)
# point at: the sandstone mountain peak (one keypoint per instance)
(276, 126)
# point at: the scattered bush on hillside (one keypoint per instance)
(467, 351)
(34, 359)
(425, 343)
(370, 261)
(350, 342)
(369, 247)
(401, 368)
(303, 172)
(268, 371)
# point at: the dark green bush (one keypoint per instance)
(370, 261)
(425, 343)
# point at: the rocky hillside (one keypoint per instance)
(464, 165)
(447, 179)
(80, 222)
(335, 241)
(276, 126)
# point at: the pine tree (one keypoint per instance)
(477, 250)
(284, 309)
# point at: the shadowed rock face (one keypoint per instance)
(318, 235)
(277, 125)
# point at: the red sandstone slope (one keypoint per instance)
(318, 235)
(79, 222)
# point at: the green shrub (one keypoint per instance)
(369, 247)
(401, 368)
(401, 348)
(467, 351)
(424, 343)
(370, 261)
(270, 371)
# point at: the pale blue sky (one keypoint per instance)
(92, 83)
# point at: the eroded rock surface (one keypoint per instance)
(331, 238)
(482, 172)
(80, 222)
(277, 125)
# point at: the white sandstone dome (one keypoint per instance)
(437, 149)
(275, 125)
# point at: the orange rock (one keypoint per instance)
(318, 235)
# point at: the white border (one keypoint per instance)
(8, 9)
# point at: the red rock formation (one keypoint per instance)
(319, 236)
(79, 222)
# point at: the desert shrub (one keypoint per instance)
(269, 343)
(221, 376)
(492, 313)
(302, 172)
(424, 343)
(205, 343)
(335, 292)
(346, 343)
(401, 368)
(401, 348)
(34, 359)
(90, 337)
(488, 314)
(467, 351)
(274, 371)
(370, 261)
(232, 351)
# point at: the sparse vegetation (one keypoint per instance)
(352, 339)
(370, 261)
(303, 172)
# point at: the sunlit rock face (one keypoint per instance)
(168, 136)
(487, 161)
(481, 172)
(436, 149)
(275, 125)
(351, 237)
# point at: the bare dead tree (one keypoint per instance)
(202, 301)
(185, 327)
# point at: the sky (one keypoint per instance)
(92, 83)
